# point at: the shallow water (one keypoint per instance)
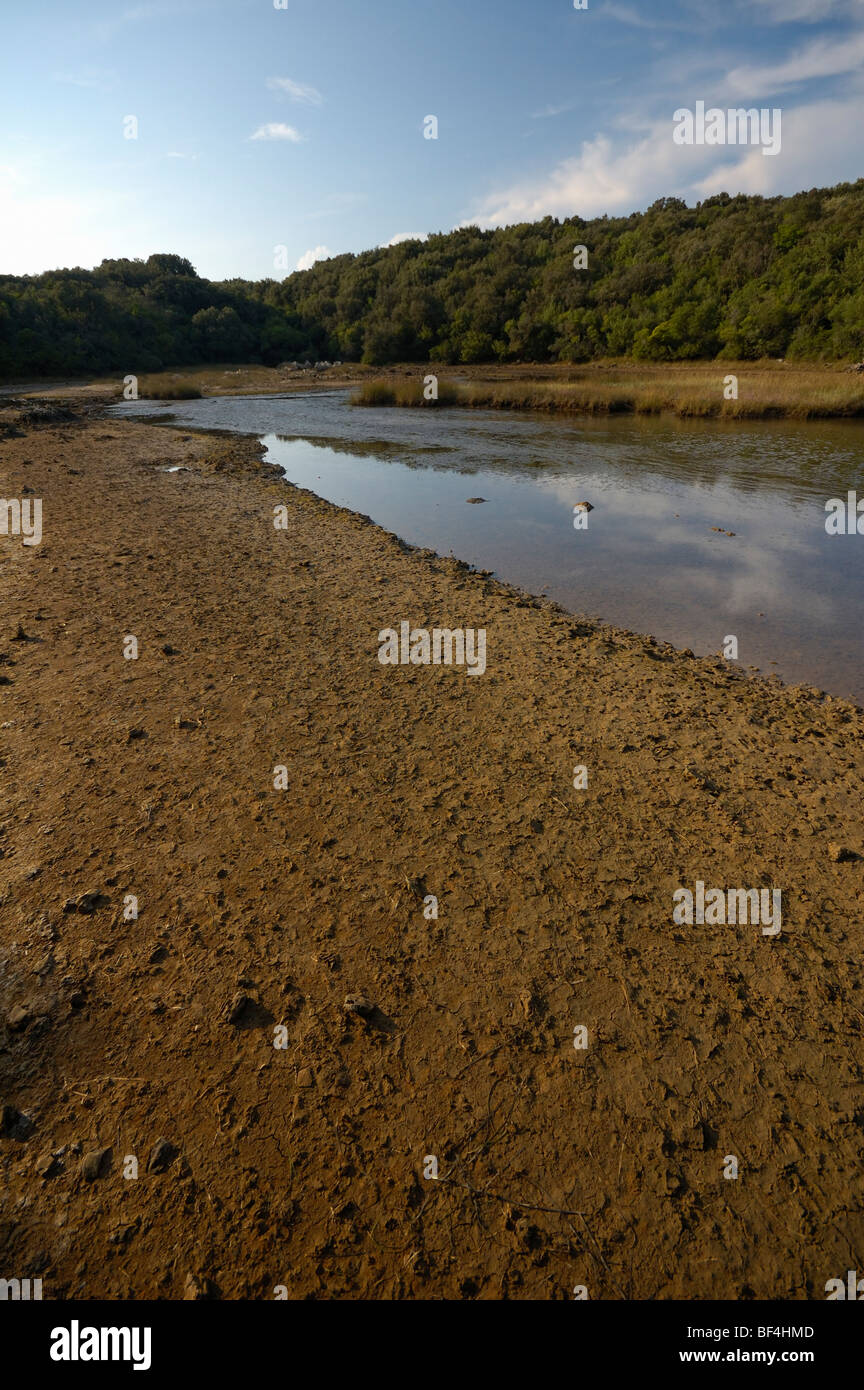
(649, 560)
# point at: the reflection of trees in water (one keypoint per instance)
(809, 459)
(418, 456)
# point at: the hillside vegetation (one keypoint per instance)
(734, 278)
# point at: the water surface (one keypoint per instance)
(649, 559)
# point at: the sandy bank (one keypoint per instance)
(302, 1166)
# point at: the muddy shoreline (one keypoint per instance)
(259, 910)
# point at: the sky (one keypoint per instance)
(266, 138)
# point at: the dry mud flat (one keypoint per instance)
(302, 1166)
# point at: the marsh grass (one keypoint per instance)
(157, 389)
(766, 390)
(405, 393)
(164, 388)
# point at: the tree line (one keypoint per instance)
(735, 277)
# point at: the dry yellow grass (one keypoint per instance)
(696, 390)
(764, 391)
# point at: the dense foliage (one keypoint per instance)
(742, 277)
(137, 316)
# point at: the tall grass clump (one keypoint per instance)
(374, 393)
(156, 390)
(405, 393)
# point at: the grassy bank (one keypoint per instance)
(754, 391)
(409, 393)
(167, 388)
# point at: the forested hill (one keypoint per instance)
(742, 277)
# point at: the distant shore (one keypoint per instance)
(690, 390)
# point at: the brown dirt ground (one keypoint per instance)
(304, 1167)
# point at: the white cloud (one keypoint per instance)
(277, 130)
(320, 253)
(820, 146)
(404, 236)
(818, 59)
(297, 91)
(595, 181)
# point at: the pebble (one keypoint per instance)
(358, 1004)
(238, 1006)
(87, 902)
(18, 1017)
(160, 1157)
(840, 854)
(197, 1288)
(94, 1163)
(14, 1124)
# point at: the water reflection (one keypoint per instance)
(649, 559)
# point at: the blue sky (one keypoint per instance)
(302, 127)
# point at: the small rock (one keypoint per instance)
(528, 1004)
(838, 854)
(237, 1008)
(583, 507)
(161, 1156)
(358, 1004)
(47, 1165)
(14, 1124)
(305, 1078)
(19, 1017)
(87, 902)
(94, 1163)
(169, 650)
(475, 499)
(135, 733)
(198, 1288)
